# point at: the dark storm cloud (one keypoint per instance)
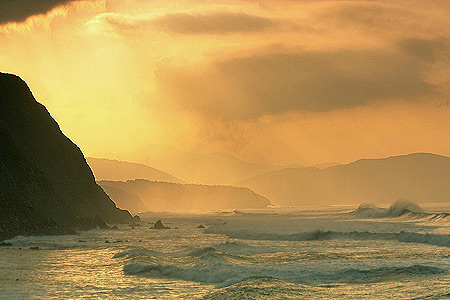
(20, 10)
(252, 86)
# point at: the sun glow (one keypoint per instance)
(211, 77)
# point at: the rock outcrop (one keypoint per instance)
(159, 225)
(46, 186)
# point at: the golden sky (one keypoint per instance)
(277, 82)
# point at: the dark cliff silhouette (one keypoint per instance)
(46, 186)
(125, 200)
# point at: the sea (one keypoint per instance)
(338, 252)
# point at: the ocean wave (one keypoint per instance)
(201, 251)
(267, 287)
(211, 269)
(137, 252)
(402, 208)
(442, 240)
(316, 235)
(25, 240)
(227, 248)
(319, 235)
(387, 273)
(399, 208)
(49, 242)
(262, 288)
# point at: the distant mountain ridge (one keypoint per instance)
(419, 177)
(214, 168)
(174, 197)
(46, 186)
(110, 169)
(206, 168)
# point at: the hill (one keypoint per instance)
(174, 197)
(204, 168)
(46, 186)
(419, 177)
(108, 169)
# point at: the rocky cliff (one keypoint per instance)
(46, 186)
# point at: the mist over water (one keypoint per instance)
(367, 252)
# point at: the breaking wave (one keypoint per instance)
(387, 273)
(401, 208)
(318, 235)
(212, 269)
(137, 252)
(230, 249)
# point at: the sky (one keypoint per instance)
(273, 82)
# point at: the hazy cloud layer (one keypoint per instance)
(219, 23)
(253, 86)
(425, 49)
(213, 23)
(20, 10)
(272, 81)
(367, 14)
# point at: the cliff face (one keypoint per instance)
(125, 200)
(174, 197)
(46, 186)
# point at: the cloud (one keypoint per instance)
(367, 14)
(19, 10)
(213, 23)
(271, 83)
(425, 49)
(219, 23)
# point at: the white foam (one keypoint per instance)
(405, 237)
(399, 208)
(137, 252)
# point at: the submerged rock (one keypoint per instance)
(34, 248)
(3, 244)
(200, 226)
(160, 225)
